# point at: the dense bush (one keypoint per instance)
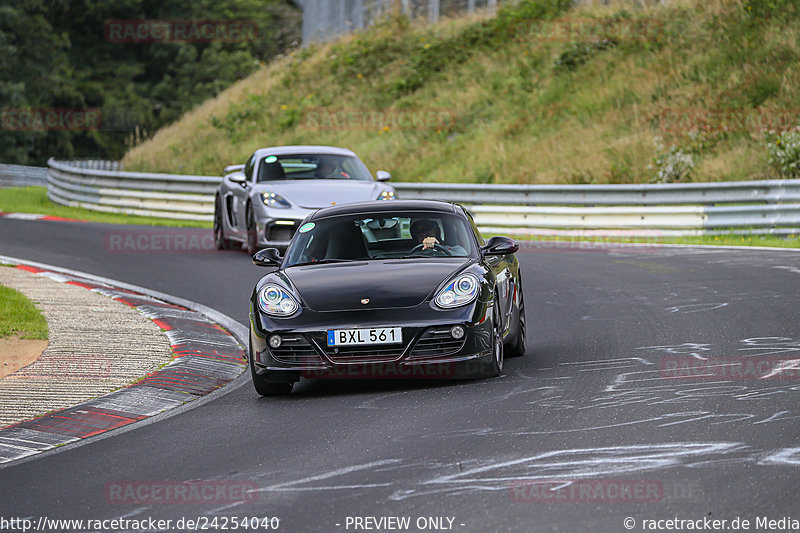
(674, 166)
(784, 153)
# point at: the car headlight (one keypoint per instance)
(272, 199)
(386, 195)
(461, 291)
(275, 301)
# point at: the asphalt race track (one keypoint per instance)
(596, 405)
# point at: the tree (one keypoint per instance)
(54, 54)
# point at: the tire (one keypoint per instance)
(252, 232)
(220, 241)
(265, 387)
(495, 367)
(517, 348)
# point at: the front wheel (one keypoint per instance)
(220, 241)
(495, 367)
(252, 231)
(517, 349)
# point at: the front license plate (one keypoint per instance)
(351, 337)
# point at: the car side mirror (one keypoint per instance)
(267, 257)
(232, 168)
(237, 177)
(382, 175)
(500, 246)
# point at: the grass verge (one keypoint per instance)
(739, 240)
(34, 200)
(19, 317)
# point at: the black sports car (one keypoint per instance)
(404, 289)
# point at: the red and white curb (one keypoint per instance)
(206, 356)
(33, 216)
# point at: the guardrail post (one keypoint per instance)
(433, 11)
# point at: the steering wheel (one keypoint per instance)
(437, 250)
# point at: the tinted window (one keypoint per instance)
(384, 235)
(312, 166)
(475, 228)
(248, 167)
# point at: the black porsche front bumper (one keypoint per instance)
(428, 351)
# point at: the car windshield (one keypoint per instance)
(384, 235)
(312, 166)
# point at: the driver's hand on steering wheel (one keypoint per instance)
(428, 242)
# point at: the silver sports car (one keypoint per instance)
(263, 202)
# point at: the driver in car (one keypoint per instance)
(328, 169)
(426, 232)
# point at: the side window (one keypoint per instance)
(474, 228)
(405, 228)
(248, 167)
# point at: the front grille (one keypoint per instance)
(296, 350)
(436, 342)
(277, 233)
(378, 353)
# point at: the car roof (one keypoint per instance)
(303, 149)
(377, 206)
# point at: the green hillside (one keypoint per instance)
(541, 93)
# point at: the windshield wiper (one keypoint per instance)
(327, 261)
(415, 256)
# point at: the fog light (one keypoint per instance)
(275, 341)
(457, 332)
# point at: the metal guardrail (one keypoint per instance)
(771, 206)
(97, 164)
(22, 176)
(768, 191)
(324, 20)
(133, 193)
(758, 206)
